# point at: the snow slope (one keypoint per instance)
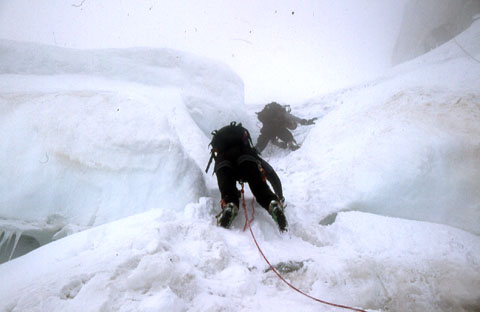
(382, 197)
(405, 145)
(144, 263)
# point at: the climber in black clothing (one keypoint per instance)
(276, 122)
(237, 160)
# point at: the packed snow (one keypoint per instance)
(104, 151)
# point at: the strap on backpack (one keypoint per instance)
(212, 156)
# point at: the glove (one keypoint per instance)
(311, 121)
(308, 121)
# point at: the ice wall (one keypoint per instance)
(429, 23)
(18, 237)
(93, 136)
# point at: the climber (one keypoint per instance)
(276, 122)
(236, 160)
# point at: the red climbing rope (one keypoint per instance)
(248, 222)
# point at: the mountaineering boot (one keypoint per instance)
(279, 143)
(293, 146)
(226, 216)
(276, 211)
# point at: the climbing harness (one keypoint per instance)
(248, 223)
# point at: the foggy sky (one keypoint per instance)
(284, 50)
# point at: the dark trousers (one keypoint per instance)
(232, 170)
(270, 133)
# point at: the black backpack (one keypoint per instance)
(235, 134)
(229, 136)
(232, 135)
(272, 112)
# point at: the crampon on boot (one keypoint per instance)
(276, 211)
(293, 146)
(226, 216)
